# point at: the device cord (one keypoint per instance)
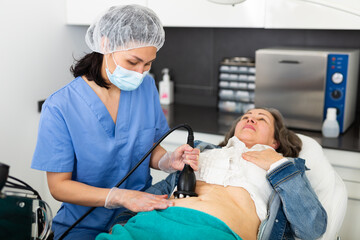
(25, 186)
(190, 141)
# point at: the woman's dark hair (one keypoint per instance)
(289, 143)
(90, 66)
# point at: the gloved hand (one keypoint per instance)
(136, 201)
(174, 161)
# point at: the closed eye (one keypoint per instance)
(263, 119)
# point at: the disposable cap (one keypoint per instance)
(123, 28)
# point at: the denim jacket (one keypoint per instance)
(294, 209)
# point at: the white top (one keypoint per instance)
(226, 167)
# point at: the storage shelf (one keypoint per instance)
(236, 87)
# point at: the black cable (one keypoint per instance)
(15, 184)
(17, 187)
(190, 141)
(20, 181)
(25, 187)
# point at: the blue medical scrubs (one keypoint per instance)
(77, 134)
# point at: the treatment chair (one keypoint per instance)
(327, 184)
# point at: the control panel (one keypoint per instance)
(335, 86)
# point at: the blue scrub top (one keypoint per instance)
(77, 134)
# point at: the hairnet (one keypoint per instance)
(123, 28)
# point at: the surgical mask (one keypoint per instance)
(124, 79)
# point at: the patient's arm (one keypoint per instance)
(303, 210)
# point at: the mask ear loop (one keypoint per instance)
(112, 55)
(107, 66)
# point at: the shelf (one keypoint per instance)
(236, 92)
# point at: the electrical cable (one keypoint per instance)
(190, 141)
(16, 185)
(25, 186)
(44, 222)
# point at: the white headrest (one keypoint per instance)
(327, 184)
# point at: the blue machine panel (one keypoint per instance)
(335, 87)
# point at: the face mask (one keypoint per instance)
(124, 79)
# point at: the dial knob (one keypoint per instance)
(337, 78)
(336, 94)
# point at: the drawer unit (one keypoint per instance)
(236, 85)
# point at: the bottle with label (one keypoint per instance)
(330, 127)
(166, 88)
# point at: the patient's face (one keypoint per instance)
(256, 127)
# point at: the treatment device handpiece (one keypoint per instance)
(187, 180)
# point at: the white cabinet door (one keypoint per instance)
(202, 13)
(313, 14)
(84, 12)
(286, 14)
(347, 165)
(350, 228)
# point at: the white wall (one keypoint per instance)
(36, 51)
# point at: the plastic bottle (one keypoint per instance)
(166, 88)
(330, 127)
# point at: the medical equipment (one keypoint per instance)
(302, 83)
(22, 215)
(186, 182)
(4, 172)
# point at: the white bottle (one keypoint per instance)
(330, 127)
(166, 88)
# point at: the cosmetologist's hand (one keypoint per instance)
(174, 161)
(262, 159)
(136, 201)
(185, 155)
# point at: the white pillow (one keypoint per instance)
(327, 184)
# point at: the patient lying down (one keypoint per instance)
(234, 185)
(232, 189)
